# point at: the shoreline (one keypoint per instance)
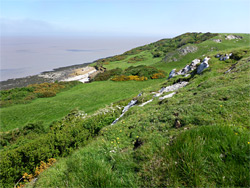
(57, 74)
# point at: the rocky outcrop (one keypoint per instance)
(167, 96)
(172, 74)
(173, 87)
(217, 40)
(133, 102)
(231, 37)
(126, 108)
(203, 65)
(182, 51)
(187, 49)
(223, 57)
(185, 70)
(81, 75)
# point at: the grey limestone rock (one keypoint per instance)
(203, 65)
(225, 57)
(230, 37)
(187, 49)
(171, 88)
(217, 40)
(172, 73)
(167, 96)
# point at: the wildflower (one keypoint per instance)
(111, 142)
(137, 136)
(248, 142)
(220, 105)
(117, 138)
(120, 131)
(25, 175)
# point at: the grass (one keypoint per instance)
(145, 149)
(86, 97)
(210, 147)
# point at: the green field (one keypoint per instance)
(210, 149)
(197, 138)
(86, 97)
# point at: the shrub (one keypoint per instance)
(142, 70)
(107, 74)
(158, 75)
(136, 59)
(61, 140)
(26, 94)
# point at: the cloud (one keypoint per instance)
(26, 26)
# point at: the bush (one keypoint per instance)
(107, 74)
(136, 59)
(46, 94)
(158, 76)
(142, 70)
(127, 78)
(26, 94)
(61, 140)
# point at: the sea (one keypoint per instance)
(26, 56)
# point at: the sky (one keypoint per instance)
(122, 17)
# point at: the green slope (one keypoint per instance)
(92, 96)
(210, 149)
(86, 97)
(144, 149)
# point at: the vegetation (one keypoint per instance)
(24, 154)
(107, 74)
(146, 148)
(26, 94)
(197, 138)
(86, 97)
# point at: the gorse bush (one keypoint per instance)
(137, 73)
(39, 169)
(62, 138)
(127, 78)
(136, 59)
(107, 74)
(31, 92)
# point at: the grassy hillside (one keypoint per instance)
(199, 137)
(147, 149)
(86, 97)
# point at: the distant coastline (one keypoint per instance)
(60, 73)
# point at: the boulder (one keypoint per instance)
(225, 57)
(217, 40)
(230, 37)
(217, 56)
(187, 49)
(172, 74)
(173, 87)
(194, 63)
(203, 65)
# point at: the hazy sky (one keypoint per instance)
(123, 17)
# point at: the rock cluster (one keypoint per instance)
(187, 49)
(203, 65)
(185, 70)
(173, 87)
(223, 57)
(230, 37)
(217, 40)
